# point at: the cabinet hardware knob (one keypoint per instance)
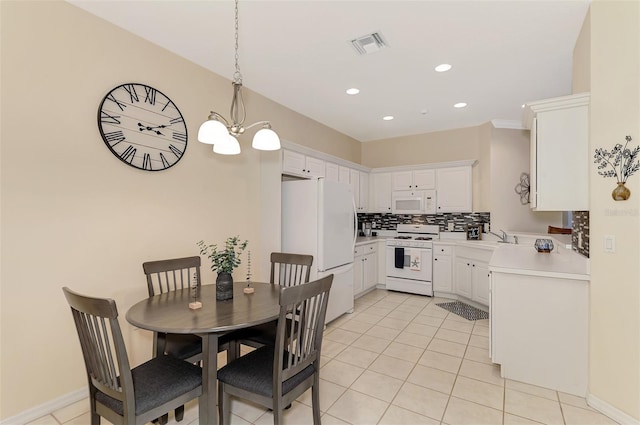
(435, 259)
(473, 265)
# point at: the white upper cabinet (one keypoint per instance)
(297, 164)
(344, 175)
(332, 172)
(454, 190)
(559, 174)
(360, 187)
(414, 180)
(380, 193)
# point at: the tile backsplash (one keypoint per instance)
(580, 232)
(459, 220)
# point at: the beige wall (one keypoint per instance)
(441, 146)
(581, 72)
(73, 214)
(614, 354)
(509, 158)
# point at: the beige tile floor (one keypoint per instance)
(400, 359)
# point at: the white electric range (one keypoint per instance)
(409, 259)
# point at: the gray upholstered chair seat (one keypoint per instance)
(254, 372)
(156, 382)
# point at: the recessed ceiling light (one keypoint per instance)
(460, 105)
(443, 67)
(388, 118)
(353, 90)
(523, 105)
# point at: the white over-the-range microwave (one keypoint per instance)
(413, 202)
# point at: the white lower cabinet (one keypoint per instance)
(472, 273)
(442, 268)
(365, 268)
(480, 282)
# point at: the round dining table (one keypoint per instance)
(170, 313)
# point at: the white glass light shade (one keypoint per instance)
(266, 139)
(229, 146)
(212, 131)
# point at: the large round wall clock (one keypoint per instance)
(142, 127)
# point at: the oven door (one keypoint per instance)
(409, 263)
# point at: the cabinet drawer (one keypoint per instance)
(368, 249)
(442, 250)
(358, 250)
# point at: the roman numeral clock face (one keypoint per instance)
(142, 127)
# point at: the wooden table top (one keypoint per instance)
(170, 312)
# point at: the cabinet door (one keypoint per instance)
(382, 261)
(463, 277)
(370, 270)
(424, 179)
(562, 185)
(363, 188)
(293, 163)
(332, 173)
(442, 273)
(480, 279)
(380, 201)
(344, 175)
(314, 167)
(402, 180)
(355, 187)
(454, 189)
(358, 274)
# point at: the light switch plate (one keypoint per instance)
(609, 243)
(450, 227)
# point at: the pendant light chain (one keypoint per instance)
(237, 76)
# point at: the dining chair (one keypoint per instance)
(275, 375)
(170, 275)
(118, 393)
(286, 270)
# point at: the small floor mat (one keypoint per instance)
(464, 310)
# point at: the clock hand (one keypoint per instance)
(142, 127)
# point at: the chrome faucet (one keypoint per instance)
(503, 237)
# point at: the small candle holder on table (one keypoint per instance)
(248, 289)
(193, 289)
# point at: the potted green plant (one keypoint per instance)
(223, 261)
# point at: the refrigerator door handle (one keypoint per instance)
(337, 270)
(355, 224)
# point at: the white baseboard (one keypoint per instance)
(46, 408)
(610, 411)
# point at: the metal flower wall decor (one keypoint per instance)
(620, 163)
(522, 188)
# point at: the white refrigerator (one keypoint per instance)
(319, 218)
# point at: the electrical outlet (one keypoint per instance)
(450, 227)
(580, 240)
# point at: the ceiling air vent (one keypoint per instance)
(369, 43)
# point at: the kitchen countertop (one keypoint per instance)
(363, 240)
(562, 263)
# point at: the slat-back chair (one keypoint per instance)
(170, 275)
(286, 270)
(274, 376)
(116, 392)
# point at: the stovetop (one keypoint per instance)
(415, 235)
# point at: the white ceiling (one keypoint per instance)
(297, 53)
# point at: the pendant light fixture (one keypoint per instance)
(217, 131)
